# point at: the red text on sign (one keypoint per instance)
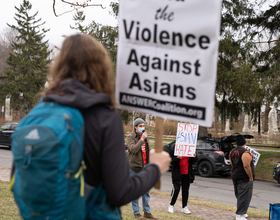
(184, 150)
(187, 127)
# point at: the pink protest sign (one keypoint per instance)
(186, 138)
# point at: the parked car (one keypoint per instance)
(6, 131)
(212, 154)
(276, 172)
(211, 157)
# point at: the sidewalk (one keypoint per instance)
(207, 213)
(5, 174)
(161, 203)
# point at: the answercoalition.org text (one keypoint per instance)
(162, 106)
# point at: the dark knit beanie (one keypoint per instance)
(240, 140)
(138, 121)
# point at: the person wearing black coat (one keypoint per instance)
(182, 175)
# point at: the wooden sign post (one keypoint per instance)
(158, 141)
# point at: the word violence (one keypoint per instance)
(164, 37)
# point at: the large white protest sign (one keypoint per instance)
(255, 155)
(185, 144)
(167, 58)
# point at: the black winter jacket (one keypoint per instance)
(176, 171)
(104, 151)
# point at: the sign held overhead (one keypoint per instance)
(167, 58)
(186, 138)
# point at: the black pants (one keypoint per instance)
(243, 192)
(185, 183)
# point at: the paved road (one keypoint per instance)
(220, 189)
(6, 157)
(217, 189)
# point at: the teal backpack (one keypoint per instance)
(48, 181)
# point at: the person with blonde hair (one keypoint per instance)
(82, 78)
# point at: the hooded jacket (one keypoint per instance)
(104, 151)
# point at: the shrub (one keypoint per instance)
(170, 127)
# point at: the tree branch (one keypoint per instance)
(265, 42)
(62, 13)
(75, 5)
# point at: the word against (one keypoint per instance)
(255, 155)
(186, 138)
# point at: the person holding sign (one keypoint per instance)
(138, 157)
(182, 175)
(82, 78)
(242, 174)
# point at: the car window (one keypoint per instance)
(5, 127)
(212, 146)
(200, 144)
(207, 145)
(13, 126)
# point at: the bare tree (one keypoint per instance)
(202, 132)
(74, 6)
(7, 36)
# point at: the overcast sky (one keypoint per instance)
(58, 25)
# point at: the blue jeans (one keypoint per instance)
(145, 200)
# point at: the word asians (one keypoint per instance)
(163, 88)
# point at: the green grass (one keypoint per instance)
(127, 214)
(266, 163)
(164, 140)
(264, 147)
(8, 208)
(152, 144)
(9, 211)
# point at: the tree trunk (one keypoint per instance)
(259, 122)
(202, 132)
(265, 124)
(147, 120)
